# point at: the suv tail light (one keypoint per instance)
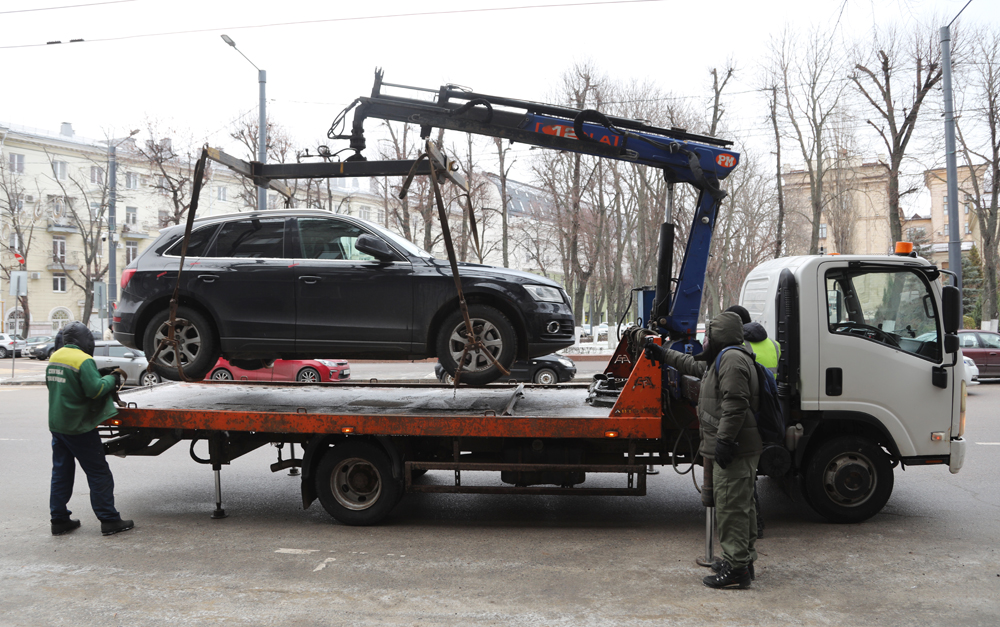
(126, 277)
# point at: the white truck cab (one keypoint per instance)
(868, 378)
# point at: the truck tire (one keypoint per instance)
(496, 332)
(199, 350)
(848, 479)
(355, 485)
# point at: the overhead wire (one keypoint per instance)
(346, 19)
(67, 6)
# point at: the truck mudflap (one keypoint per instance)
(957, 455)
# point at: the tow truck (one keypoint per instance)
(861, 392)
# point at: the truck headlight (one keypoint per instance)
(544, 293)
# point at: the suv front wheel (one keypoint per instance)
(492, 329)
(197, 347)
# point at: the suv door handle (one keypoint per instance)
(310, 280)
(208, 278)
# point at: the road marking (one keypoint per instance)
(988, 443)
(297, 551)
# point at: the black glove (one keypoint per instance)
(106, 371)
(653, 351)
(120, 377)
(725, 452)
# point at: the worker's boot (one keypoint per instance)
(729, 577)
(60, 527)
(116, 526)
(718, 562)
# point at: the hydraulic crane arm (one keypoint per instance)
(683, 157)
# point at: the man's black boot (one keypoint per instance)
(116, 526)
(718, 562)
(60, 527)
(729, 577)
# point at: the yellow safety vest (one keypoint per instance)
(767, 352)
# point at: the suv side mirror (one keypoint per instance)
(374, 246)
(951, 303)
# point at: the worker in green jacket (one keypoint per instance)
(726, 406)
(79, 400)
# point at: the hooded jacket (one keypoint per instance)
(79, 397)
(728, 397)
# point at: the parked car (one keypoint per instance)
(302, 370)
(546, 370)
(113, 354)
(10, 345)
(971, 375)
(298, 284)
(984, 348)
(43, 351)
(32, 342)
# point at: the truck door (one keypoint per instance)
(346, 299)
(879, 341)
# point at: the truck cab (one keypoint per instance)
(868, 377)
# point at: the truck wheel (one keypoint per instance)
(496, 333)
(848, 479)
(355, 484)
(198, 350)
(546, 376)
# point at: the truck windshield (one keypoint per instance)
(893, 307)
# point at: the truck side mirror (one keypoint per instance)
(951, 303)
(951, 343)
(374, 246)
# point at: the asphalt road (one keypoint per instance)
(929, 558)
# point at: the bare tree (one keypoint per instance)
(19, 221)
(173, 171)
(979, 140)
(809, 77)
(879, 68)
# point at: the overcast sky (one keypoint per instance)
(166, 61)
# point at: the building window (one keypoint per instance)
(221, 194)
(381, 216)
(822, 231)
(59, 283)
(163, 217)
(59, 170)
(58, 206)
(131, 181)
(59, 318)
(59, 250)
(131, 215)
(967, 229)
(16, 163)
(946, 231)
(366, 212)
(96, 174)
(131, 251)
(14, 242)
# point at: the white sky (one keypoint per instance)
(197, 85)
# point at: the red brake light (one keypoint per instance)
(126, 277)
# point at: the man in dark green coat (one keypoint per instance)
(729, 436)
(79, 400)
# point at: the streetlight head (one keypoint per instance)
(229, 41)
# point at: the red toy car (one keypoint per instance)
(302, 370)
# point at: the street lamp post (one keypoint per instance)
(262, 122)
(112, 233)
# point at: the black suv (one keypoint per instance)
(307, 284)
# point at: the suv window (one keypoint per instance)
(888, 306)
(322, 238)
(253, 238)
(197, 244)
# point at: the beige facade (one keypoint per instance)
(855, 217)
(937, 184)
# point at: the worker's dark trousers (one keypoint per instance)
(735, 513)
(88, 450)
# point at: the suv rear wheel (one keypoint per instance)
(197, 349)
